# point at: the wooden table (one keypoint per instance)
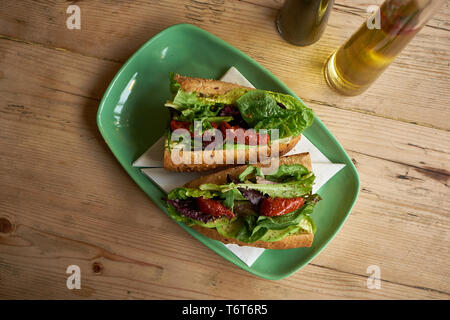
(65, 200)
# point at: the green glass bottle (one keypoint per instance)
(302, 22)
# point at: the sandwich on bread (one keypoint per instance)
(246, 120)
(246, 205)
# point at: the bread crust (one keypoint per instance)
(292, 241)
(236, 157)
(206, 86)
(221, 176)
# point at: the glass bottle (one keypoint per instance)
(302, 22)
(361, 60)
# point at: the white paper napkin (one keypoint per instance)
(152, 163)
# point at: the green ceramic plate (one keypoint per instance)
(131, 118)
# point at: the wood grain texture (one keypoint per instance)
(68, 201)
(121, 27)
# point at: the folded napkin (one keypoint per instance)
(152, 165)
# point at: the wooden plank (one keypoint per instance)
(154, 245)
(83, 76)
(142, 248)
(424, 149)
(210, 279)
(70, 202)
(407, 91)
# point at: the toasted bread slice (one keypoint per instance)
(206, 86)
(222, 158)
(292, 241)
(186, 161)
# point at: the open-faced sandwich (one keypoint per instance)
(246, 205)
(248, 121)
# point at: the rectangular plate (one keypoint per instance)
(131, 117)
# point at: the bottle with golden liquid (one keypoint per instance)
(358, 63)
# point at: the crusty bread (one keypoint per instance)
(244, 155)
(292, 241)
(207, 87)
(221, 176)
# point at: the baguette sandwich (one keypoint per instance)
(248, 206)
(250, 123)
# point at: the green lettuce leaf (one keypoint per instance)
(219, 222)
(260, 110)
(282, 190)
(277, 235)
(246, 233)
(308, 224)
(185, 100)
(289, 189)
(178, 216)
(246, 172)
(284, 221)
(202, 124)
(288, 172)
(191, 107)
(288, 101)
(249, 170)
(199, 112)
(229, 200)
(184, 193)
(290, 123)
(258, 105)
(252, 228)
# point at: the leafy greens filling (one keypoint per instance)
(260, 109)
(290, 181)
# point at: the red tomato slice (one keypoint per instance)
(213, 207)
(272, 207)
